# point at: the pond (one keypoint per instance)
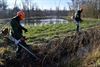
(48, 21)
(40, 22)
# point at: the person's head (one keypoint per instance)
(21, 15)
(81, 9)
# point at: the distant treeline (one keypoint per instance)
(8, 13)
(30, 10)
(91, 8)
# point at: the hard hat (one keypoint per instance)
(21, 14)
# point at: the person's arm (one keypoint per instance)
(21, 27)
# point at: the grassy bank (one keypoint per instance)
(46, 32)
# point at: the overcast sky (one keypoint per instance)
(43, 4)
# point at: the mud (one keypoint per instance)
(58, 52)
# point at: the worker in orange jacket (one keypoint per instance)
(17, 29)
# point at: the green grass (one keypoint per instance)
(46, 32)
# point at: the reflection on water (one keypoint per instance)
(40, 22)
(49, 21)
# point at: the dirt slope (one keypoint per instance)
(78, 50)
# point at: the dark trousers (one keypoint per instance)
(19, 48)
(78, 26)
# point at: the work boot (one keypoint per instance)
(18, 55)
(18, 52)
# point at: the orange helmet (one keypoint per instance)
(21, 15)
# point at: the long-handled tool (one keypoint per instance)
(18, 42)
(28, 51)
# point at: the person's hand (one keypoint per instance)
(26, 30)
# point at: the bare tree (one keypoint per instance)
(91, 7)
(3, 4)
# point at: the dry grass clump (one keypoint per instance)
(78, 50)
